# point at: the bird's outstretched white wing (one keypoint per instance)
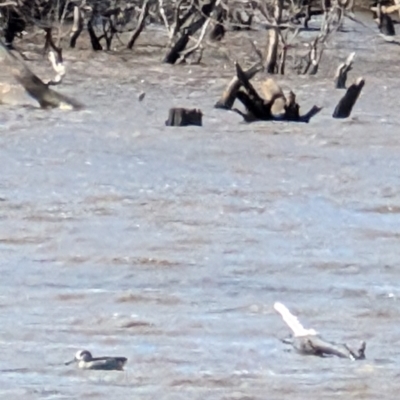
(292, 321)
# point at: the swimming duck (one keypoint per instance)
(85, 360)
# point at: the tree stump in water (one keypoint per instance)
(184, 117)
(386, 25)
(346, 103)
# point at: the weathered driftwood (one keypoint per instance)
(184, 117)
(317, 346)
(273, 93)
(346, 103)
(229, 95)
(341, 72)
(387, 10)
(309, 342)
(34, 86)
(260, 109)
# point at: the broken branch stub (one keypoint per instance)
(341, 72)
(229, 95)
(184, 117)
(346, 103)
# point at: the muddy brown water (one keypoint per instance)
(169, 246)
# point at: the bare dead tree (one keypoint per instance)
(140, 25)
(77, 26)
(187, 22)
(274, 18)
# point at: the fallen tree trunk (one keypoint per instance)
(260, 109)
(346, 103)
(34, 86)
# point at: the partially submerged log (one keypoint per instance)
(315, 345)
(346, 103)
(259, 108)
(184, 117)
(309, 342)
(34, 86)
(341, 72)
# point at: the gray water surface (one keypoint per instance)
(170, 245)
